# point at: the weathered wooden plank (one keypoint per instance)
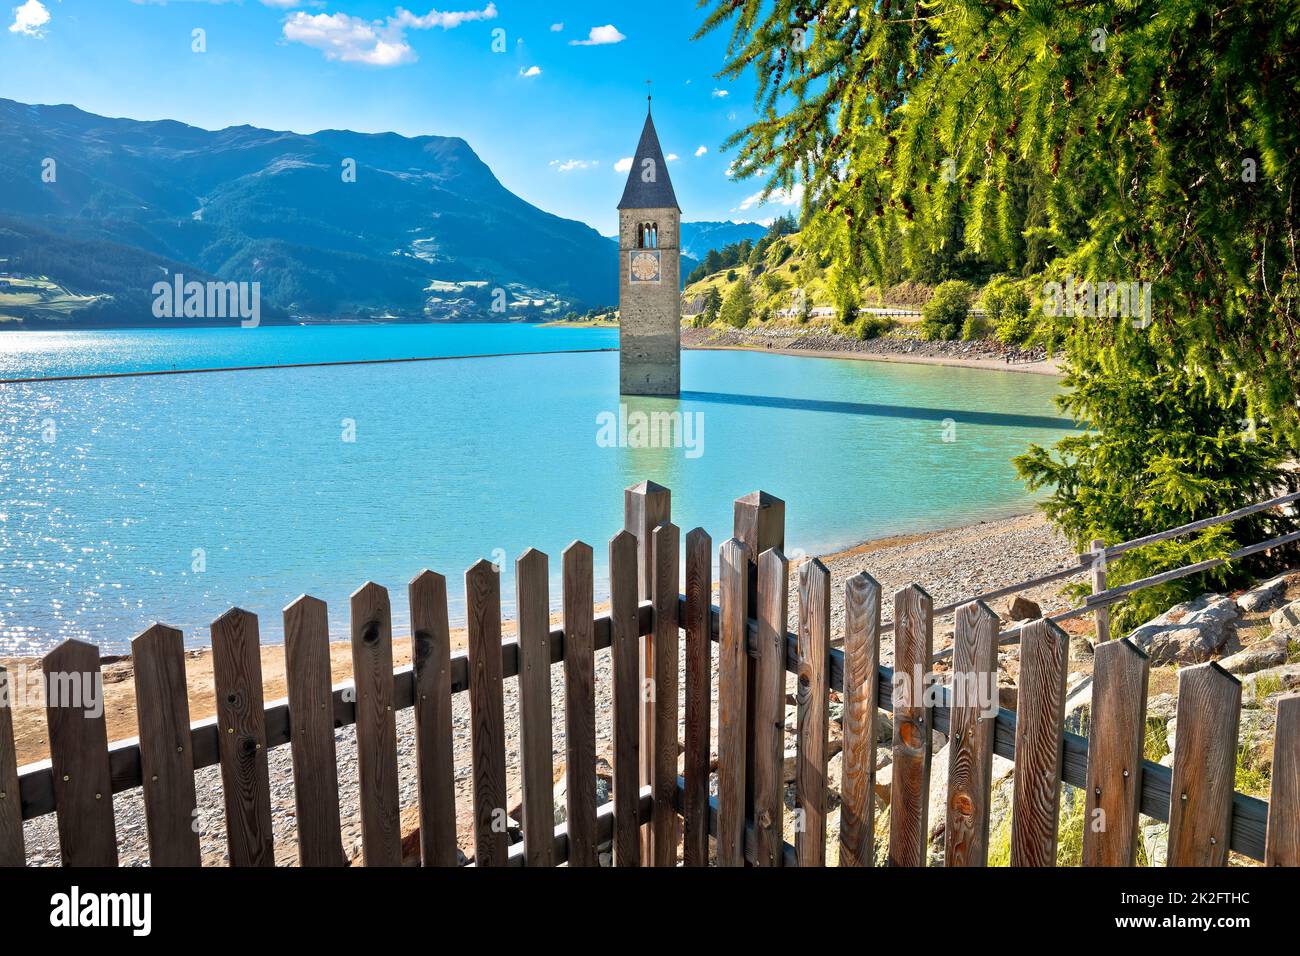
(733, 662)
(1040, 724)
(245, 778)
(487, 713)
(626, 656)
(699, 694)
(1282, 844)
(11, 811)
(758, 524)
(1098, 587)
(861, 679)
(665, 587)
(909, 802)
(74, 714)
(973, 713)
(532, 598)
(162, 709)
(768, 706)
(1205, 762)
(431, 662)
(1116, 741)
(580, 705)
(311, 710)
(645, 507)
(372, 672)
(814, 714)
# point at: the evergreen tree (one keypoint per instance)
(1119, 141)
(739, 307)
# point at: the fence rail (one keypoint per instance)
(652, 793)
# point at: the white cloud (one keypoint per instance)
(781, 197)
(721, 94)
(701, 151)
(623, 165)
(349, 39)
(557, 27)
(600, 36)
(569, 165)
(448, 21)
(531, 71)
(30, 18)
(672, 157)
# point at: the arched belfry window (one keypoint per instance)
(647, 235)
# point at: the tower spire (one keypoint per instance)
(649, 96)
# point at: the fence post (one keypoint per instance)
(1040, 729)
(1116, 742)
(645, 507)
(913, 651)
(666, 587)
(768, 706)
(537, 765)
(83, 783)
(759, 520)
(1098, 586)
(241, 720)
(162, 710)
(733, 656)
(861, 696)
(814, 712)
(1282, 845)
(579, 705)
(699, 696)
(627, 697)
(311, 722)
(487, 713)
(11, 811)
(970, 745)
(431, 660)
(372, 676)
(1205, 762)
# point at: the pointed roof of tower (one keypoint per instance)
(638, 194)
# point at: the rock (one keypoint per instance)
(1259, 686)
(1163, 706)
(1270, 652)
(1189, 633)
(1023, 609)
(1263, 596)
(1288, 616)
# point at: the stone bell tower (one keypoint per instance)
(649, 285)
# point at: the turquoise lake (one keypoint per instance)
(316, 480)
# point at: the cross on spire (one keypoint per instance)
(649, 85)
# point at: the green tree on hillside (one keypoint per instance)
(738, 308)
(712, 305)
(1121, 141)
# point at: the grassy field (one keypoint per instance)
(39, 298)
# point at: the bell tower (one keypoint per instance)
(649, 285)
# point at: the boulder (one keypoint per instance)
(1189, 633)
(1270, 652)
(1288, 616)
(1023, 609)
(1258, 687)
(1263, 596)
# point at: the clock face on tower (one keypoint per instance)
(645, 266)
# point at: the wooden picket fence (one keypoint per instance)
(655, 802)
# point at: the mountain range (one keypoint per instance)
(335, 224)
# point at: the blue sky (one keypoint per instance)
(552, 109)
